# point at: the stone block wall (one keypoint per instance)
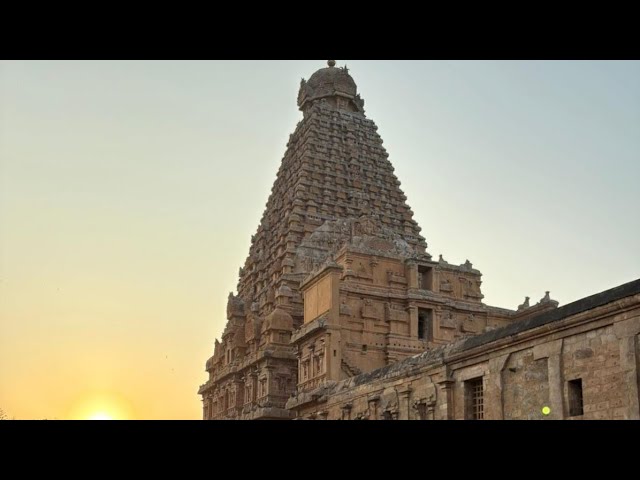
(583, 365)
(525, 383)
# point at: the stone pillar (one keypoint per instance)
(405, 404)
(431, 411)
(313, 364)
(334, 355)
(298, 351)
(270, 378)
(628, 332)
(334, 312)
(413, 320)
(494, 388)
(373, 407)
(254, 385)
(412, 274)
(448, 407)
(238, 387)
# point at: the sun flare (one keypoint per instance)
(101, 406)
(100, 416)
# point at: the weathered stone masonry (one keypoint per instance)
(338, 284)
(522, 368)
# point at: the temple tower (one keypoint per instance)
(337, 281)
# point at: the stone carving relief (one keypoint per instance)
(445, 286)
(364, 233)
(369, 310)
(447, 321)
(344, 308)
(471, 288)
(425, 407)
(470, 325)
(396, 278)
(362, 270)
(396, 312)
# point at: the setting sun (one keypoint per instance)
(101, 406)
(100, 416)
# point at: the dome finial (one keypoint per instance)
(331, 63)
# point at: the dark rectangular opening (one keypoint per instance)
(575, 398)
(424, 324)
(425, 278)
(474, 399)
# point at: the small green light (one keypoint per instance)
(546, 410)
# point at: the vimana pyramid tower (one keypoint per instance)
(338, 281)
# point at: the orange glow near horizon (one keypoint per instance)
(101, 406)
(101, 416)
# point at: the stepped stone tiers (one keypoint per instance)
(338, 283)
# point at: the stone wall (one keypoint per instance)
(579, 361)
(525, 386)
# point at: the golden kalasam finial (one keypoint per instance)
(331, 63)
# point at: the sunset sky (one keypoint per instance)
(129, 192)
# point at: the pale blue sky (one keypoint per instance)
(129, 192)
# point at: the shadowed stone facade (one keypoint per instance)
(341, 313)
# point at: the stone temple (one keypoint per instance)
(341, 313)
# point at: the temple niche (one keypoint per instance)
(338, 281)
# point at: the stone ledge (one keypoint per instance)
(307, 329)
(273, 413)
